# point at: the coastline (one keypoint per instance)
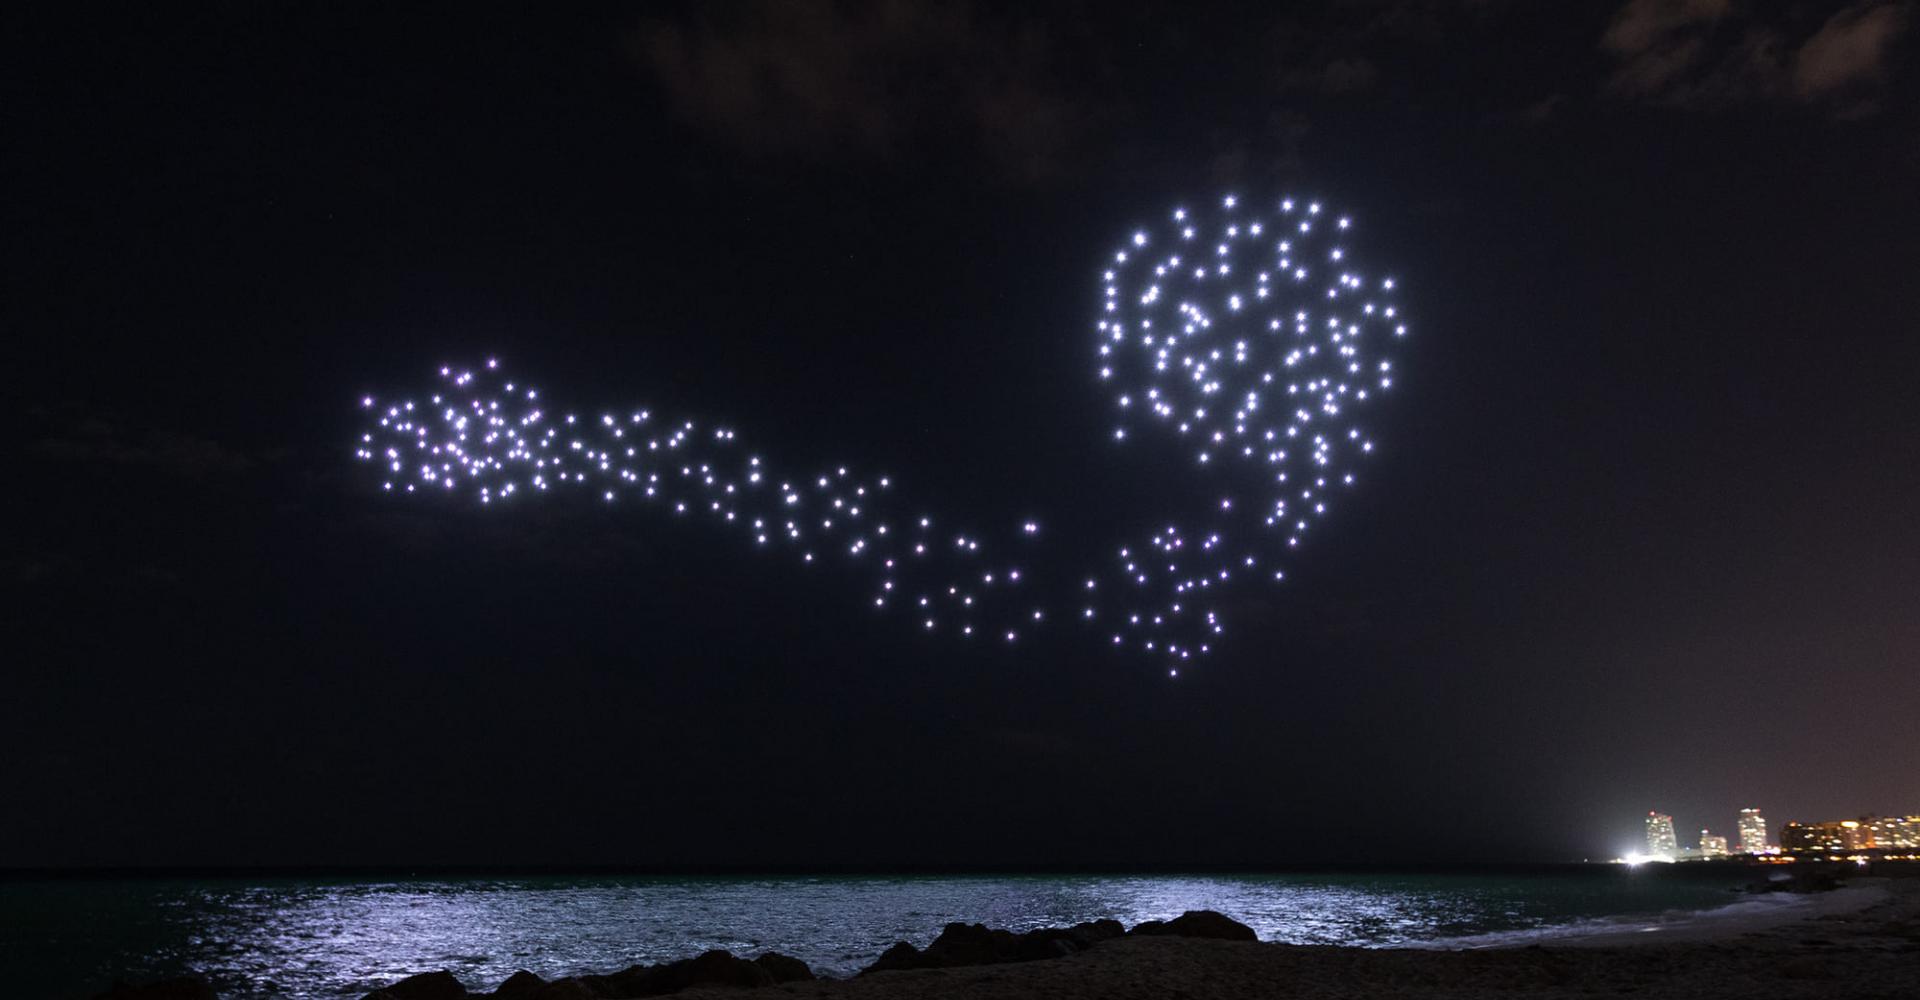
(1861, 940)
(1865, 945)
(1747, 915)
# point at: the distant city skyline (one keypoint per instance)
(1849, 836)
(1662, 842)
(1866, 835)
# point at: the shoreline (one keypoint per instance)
(1746, 915)
(1865, 945)
(1861, 940)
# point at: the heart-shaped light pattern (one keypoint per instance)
(1248, 338)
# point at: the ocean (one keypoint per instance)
(325, 938)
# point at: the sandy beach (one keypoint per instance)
(1862, 942)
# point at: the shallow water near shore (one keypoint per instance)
(327, 938)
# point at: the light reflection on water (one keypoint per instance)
(329, 939)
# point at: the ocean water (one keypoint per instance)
(328, 938)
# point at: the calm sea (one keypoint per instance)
(341, 937)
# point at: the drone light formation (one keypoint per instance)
(1248, 340)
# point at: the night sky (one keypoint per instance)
(1642, 533)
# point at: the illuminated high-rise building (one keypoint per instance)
(1894, 833)
(1753, 832)
(1661, 842)
(1712, 846)
(1834, 837)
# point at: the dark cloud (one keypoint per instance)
(1334, 49)
(1851, 50)
(1025, 93)
(1650, 26)
(1704, 55)
(1659, 42)
(869, 80)
(1348, 47)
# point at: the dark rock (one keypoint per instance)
(632, 981)
(183, 988)
(957, 945)
(1095, 931)
(522, 984)
(568, 989)
(784, 968)
(1059, 942)
(1199, 924)
(1814, 881)
(977, 944)
(971, 944)
(1035, 946)
(715, 968)
(901, 956)
(1769, 881)
(1804, 877)
(425, 986)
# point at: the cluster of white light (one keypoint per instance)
(1248, 338)
(484, 436)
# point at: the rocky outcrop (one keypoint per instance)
(1198, 924)
(567, 989)
(957, 945)
(1802, 876)
(715, 968)
(521, 985)
(977, 944)
(425, 986)
(783, 968)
